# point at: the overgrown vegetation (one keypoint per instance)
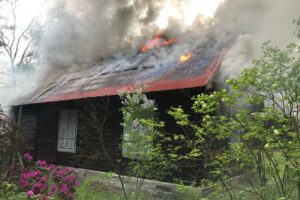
(259, 117)
(10, 143)
(142, 144)
(250, 131)
(93, 188)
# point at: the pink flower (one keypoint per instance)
(37, 185)
(28, 157)
(32, 174)
(42, 186)
(51, 194)
(30, 193)
(23, 183)
(43, 179)
(41, 163)
(53, 188)
(64, 188)
(69, 178)
(51, 167)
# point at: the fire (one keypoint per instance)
(157, 41)
(186, 57)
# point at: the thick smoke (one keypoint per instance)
(85, 31)
(246, 25)
(80, 33)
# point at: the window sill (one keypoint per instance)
(66, 150)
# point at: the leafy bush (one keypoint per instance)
(46, 181)
(9, 144)
(142, 138)
(9, 191)
(260, 116)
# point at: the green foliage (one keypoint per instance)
(260, 115)
(10, 143)
(189, 193)
(93, 188)
(250, 131)
(9, 191)
(141, 142)
(138, 112)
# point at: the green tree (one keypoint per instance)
(259, 118)
(142, 139)
(248, 136)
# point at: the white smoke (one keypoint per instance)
(248, 24)
(81, 33)
(86, 31)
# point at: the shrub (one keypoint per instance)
(46, 181)
(11, 191)
(10, 142)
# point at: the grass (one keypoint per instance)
(93, 189)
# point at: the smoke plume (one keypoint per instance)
(84, 31)
(81, 33)
(248, 24)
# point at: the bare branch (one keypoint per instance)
(25, 51)
(20, 37)
(5, 46)
(13, 7)
(3, 38)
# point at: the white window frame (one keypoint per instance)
(61, 135)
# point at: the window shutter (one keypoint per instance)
(67, 130)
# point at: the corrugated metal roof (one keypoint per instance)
(156, 70)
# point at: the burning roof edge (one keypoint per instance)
(160, 85)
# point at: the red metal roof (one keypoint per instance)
(154, 71)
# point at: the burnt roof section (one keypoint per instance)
(155, 70)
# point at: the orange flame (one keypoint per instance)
(186, 57)
(157, 41)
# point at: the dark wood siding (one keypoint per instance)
(28, 127)
(46, 137)
(40, 127)
(40, 130)
(90, 153)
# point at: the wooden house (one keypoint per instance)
(55, 117)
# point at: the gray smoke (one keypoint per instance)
(84, 31)
(248, 24)
(81, 33)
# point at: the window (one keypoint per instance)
(67, 130)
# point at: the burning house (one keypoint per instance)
(54, 120)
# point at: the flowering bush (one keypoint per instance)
(46, 181)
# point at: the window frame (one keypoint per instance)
(60, 121)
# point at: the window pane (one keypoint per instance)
(63, 116)
(67, 129)
(72, 115)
